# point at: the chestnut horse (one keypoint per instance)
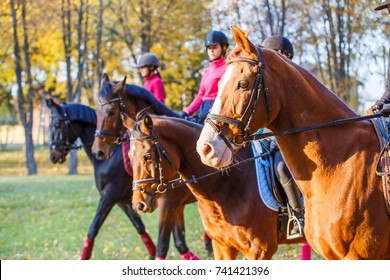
(229, 202)
(68, 122)
(113, 98)
(334, 167)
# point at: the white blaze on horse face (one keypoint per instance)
(217, 106)
(132, 150)
(211, 148)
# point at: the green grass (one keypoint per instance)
(47, 216)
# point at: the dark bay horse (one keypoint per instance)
(229, 202)
(114, 98)
(334, 167)
(72, 121)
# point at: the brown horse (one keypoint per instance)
(334, 167)
(113, 98)
(229, 203)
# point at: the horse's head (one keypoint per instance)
(242, 105)
(62, 134)
(109, 127)
(152, 165)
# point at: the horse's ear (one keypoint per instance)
(242, 40)
(104, 79)
(128, 122)
(148, 122)
(118, 88)
(52, 104)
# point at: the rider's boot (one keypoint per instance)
(296, 207)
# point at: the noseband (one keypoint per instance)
(250, 110)
(101, 133)
(159, 153)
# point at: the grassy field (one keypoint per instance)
(47, 216)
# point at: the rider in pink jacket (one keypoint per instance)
(216, 44)
(148, 65)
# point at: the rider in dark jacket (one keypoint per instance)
(385, 99)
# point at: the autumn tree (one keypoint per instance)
(25, 102)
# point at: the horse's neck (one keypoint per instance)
(87, 137)
(319, 151)
(207, 189)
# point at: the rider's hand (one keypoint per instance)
(376, 107)
(183, 115)
(385, 111)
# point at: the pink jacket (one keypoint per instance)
(155, 85)
(208, 88)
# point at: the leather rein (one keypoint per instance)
(172, 184)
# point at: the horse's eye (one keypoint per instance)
(147, 157)
(242, 84)
(111, 112)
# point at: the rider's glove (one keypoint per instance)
(183, 115)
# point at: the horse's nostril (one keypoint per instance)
(141, 206)
(207, 150)
(100, 153)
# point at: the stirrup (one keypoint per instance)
(291, 219)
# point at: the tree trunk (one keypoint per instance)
(67, 40)
(27, 124)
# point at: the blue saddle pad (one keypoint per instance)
(264, 190)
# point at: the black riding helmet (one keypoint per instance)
(281, 44)
(215, 38)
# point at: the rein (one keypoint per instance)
(196, 179)
(162, 186)
(312, 127)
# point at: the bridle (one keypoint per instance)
(159, 154)
(244, 123)
(101, 133)
(60, 142)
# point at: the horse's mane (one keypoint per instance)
(79, 112)
(236, 52)
(139, 93)
(136, 130)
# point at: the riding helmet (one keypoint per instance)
(281, 44)
(148, 59)
(215, 38)
(382, 6)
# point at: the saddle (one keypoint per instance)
(382, 129)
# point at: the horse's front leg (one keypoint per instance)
(166, 216)
(223, 252)
(140, 227)
(179, 236)
(104, 207)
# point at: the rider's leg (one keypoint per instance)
(291, 189)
